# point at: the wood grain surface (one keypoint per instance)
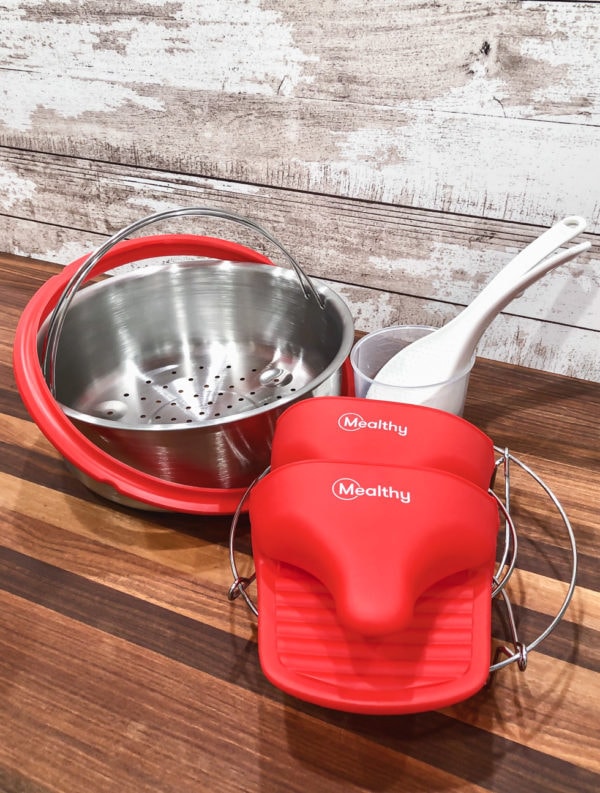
(123, 666)
(404, 150)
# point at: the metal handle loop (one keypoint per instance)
(241, 583)
(521, 650)
(58, 315)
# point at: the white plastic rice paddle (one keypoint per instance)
(441, 355)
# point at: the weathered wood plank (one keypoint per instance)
(526, 342)
(458, 107)
(393, 264)
(539, 345)
(501, 59)
(449, 162)
(408, 251)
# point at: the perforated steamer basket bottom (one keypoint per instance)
(211, 382)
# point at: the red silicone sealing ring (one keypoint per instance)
(48, 415)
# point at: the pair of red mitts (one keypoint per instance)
(374, 540)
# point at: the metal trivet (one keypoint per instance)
(515, 650)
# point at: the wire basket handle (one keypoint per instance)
(57, 318)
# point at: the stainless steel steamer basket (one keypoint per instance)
(182, 371)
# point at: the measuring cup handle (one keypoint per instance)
(91, 265)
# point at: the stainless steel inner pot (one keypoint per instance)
(182, 371)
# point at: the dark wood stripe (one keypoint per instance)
(11, 781)
(50, 471)
(570, 641)
(462, 750)
(229, 658)
(10, 401)
(535, 412)
(40, 469)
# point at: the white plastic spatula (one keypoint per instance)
(441, 355)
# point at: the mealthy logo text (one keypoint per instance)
(347, 489)
(351, 422)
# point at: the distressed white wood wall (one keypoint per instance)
(403, 151)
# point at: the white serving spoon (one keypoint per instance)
(442, 355)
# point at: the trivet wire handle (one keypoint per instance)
(521, 649)
(241, 583)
